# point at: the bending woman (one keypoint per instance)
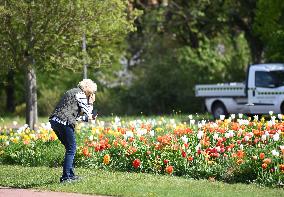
(73, 103)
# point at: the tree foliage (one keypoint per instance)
(177, 47)
(269, 26)
(51, 31)
(177, 44)
(47, 35)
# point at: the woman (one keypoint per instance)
(73, 103)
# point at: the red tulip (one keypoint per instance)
(136, 163)
(183, 153)
(166, 161)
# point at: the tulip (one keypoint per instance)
(106, 159)
(267, 161)
(261, 155)
(136, 163)
(169, 169)
(275, 153)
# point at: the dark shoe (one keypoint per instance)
(66, 180)
(69, 179)
(75, 178)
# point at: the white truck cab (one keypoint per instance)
(263, 91)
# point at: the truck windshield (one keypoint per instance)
(269, 79)
(279, 77)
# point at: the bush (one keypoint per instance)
(47, 101)
(20, 110)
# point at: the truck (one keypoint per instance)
(261, 92)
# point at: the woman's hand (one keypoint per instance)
(92, 98)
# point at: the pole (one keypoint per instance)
(84, 52)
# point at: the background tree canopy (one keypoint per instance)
(177, 44)
(47, 35)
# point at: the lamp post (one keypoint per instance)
(84, 52)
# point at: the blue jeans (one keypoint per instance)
(66, 135)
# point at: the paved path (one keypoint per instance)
(11, 192)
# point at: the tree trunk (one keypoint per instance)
(31, 97)
(254, 41)
(256, 48)
(31, 89)
(10, 92)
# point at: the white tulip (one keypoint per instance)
(200, 134)
(198, 147)
(276, 137)
(129, 134)
(192, 122)
(222, 117)
(91, 138)
(184, 139)
(246, 138)
(215, 136)
(227, 135)
(275, 153)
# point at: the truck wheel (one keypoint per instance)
(282, 108)
(219, 109)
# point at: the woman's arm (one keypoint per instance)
(84, 104)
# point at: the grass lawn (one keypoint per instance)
(125, 184)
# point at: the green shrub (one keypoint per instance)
(47, 101)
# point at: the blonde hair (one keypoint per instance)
(87, 85)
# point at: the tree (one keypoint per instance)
(269, 26)
(240, 16)
(213, 18)
(47, 35)
(177, 45)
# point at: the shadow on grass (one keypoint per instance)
(30, 185)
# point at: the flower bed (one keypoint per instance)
(232, 150)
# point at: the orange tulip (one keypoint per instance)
(264, 165)
(281, 167)
(261, 155)
(240, 154)
(169, 169)
(240, 161)
(190, 158)
(267, 161)
(85, 152)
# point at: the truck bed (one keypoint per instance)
(220, 90)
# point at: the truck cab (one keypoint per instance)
(265, 88)
(263, 91)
